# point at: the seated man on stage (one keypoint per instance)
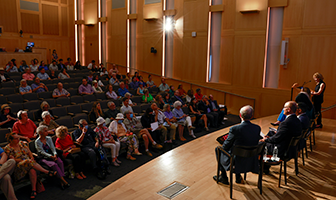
(245, 134)
(215, 108)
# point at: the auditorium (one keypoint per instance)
(167, 99)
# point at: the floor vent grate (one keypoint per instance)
(173, 190)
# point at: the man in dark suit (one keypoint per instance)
(305, 121)
(246, 134)
(177, 97)
(288, 129)
(205, 108)
(215, 108)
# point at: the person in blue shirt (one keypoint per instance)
(43, 65)
(23, 66)
(24, 88)
(122, 90)
(42, 75)
(134, 84)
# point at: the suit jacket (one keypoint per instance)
(216, 105)
(203, 107)
(305, 122)
(174, 98)
(245, 134)
(289, 128)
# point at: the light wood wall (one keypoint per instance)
(52, 27)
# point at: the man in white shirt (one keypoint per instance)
(53, 66)
(164, 124)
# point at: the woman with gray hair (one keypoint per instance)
(182, 118)
(48, 122)
(45, 147)
(168, 113)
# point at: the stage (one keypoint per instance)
(193, 164)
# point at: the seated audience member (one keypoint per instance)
(63, 74)
(96, 112)
(182, 92)
(147, 97)
(44, 107)
(304, 97)
(126, 84)
(54, 55)
(204, 107)
(104, 72)
(150, 83)
(111, 113)
(182, 118)
(110, 94)
(140, 90)
(69, 65)
(65, 144)
(134, 84)
(85, 88)
(128, 96)
(90, 77)
(45, 147)
(171, 91)
(23, 66)
(24, 88)
(164, 124)
(146, 120)
(122, 90)
(43, 65)
(128, 77)
(245, 134)
(78, 66)
(115, 70)
(28, 75)
(134, 125)
(113, 80)
(100, 67)
(53, 66)
(164, 87)
(4, 77)
(118, 128)
(168, 113)
(7, 118)
(305, 122)
(48, 122)
(198, 95)
(52, 75)
(215, 108)
(61, 65)
(25, 163)
(36, 65)
(177, 97)
(43, 75)
(166, 99)
(33, 66)
(194, 110)
(92, 65)
(11, 67)
(189, 96)
(125, 107)
(85, 136)
(60, 91)
(141, 82)
(96, 88)
(14, 62)
(100, 83)
(25, 127)
(7, 166)
(287, 129)
(136, 74)
(159, 101)
(38, 87)
(106, 139)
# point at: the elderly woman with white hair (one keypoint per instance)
(169, 114)
(106, 139)
(45, 147)
(48, 122)
(24, 88)
(183, 118)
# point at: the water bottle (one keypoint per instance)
(265, 153)
(275, 153)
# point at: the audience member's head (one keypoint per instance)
(84, 81)
(61, 132)
(290, 107)
(111, 105)
(60, 86)
(177, 104)
(166, 108)
(301, 108)
(45, 106)
(125, 101)
(246, 112)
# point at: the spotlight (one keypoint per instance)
(169, 24)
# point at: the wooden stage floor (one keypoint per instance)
(194, 164)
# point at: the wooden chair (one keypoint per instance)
(245, 152)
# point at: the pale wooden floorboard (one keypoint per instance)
(194, 164)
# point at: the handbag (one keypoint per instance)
(39, 186)
(75, 150)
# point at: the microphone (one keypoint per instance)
(304, 83)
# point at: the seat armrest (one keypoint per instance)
(72, 114)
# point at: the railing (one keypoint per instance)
(329, 108)
(193, 84)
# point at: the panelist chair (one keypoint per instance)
(244, 152)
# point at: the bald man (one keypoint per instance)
(245, 134)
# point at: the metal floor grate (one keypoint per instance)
(173, 190)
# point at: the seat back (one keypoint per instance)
(137, 109)
(145, 106)
(86, 106)
(89, 98)
(185, 110)
(7, 84)
(32, 105)
(63, 101)
(137, 99)
(45, 95)
(100, 96)
(78, 117)
(3, 140)
(51, 102)
(59, 111)
(14, 98)
(16, 107)
(3, 99)
(73, 91)
(77, 99)
(293, 143)
(75, 109)
(30, 96)
(248, 151)
(65, 121)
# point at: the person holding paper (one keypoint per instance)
(134, 125)
(164, 123)
(148, 122)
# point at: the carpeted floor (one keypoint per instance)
(82, 189)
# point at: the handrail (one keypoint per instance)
(328, 108)
(191, 84)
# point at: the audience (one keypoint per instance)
(24, 88)
(171, 91)
(215, 108)
(134, 84)
(166, 99)
(7, 118)
(34, 65)
(28, 75)
(189, 96)
(7, 166)
(125, 107)
(198, 95)
(43, 66)
(163, 86)
(61, 65)
(63, 74)
(54, 55)
(11, 67)
(4, 77)
(96, 88)
(150, 82)
(164, 124)
(122, 90)
(69, 65)
(38, 87)
(113, 80)
(111, 113)
(110, 94)
(182, 92)
(44, 107)
(52, 75)
(42, 75)
(85, 88)
(168, 113)
(96, 112)
(100, 83)
(147, 97)
(177, 97)
(204, 107)
(92, 65)
(23, 66)
(48, 122)
(182, 118)
(25, 127)
(194, 110)
(53, 66)
(128, 96)
(140, 90)
(60, 91)
(159, 101)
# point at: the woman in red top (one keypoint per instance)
(25, 128)
(182, 92)
(65, 143)
(198, 95)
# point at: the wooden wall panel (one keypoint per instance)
(229, 14)
(8, 16)
(293, 14)
(55, 1)
(226, 59)
(319, 13)
(196, 15)
(50, 20)
(91, 32)
(30, 23)
(64, 1)
(252, 21)
(64, 21)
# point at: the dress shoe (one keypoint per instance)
(130, 157)
(157, 146)
(318, 126)
(149, 153)
(266, 171)
(274, 124)
(206, 129)
(239, 179)
(221, 180)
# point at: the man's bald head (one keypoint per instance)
(246, 112)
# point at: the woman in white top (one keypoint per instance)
(96, 87)
(100, 83)
(63, 74)
(33, 67)
(110, 94)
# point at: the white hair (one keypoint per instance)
(41, 128)
(44, 114)
(177, 103)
